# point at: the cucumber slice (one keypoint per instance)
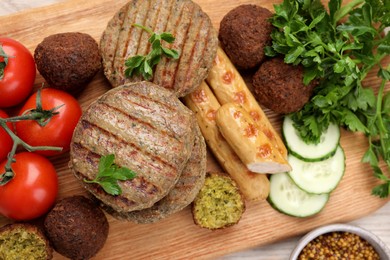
(287, 198)
(318, 177)
(311, 152)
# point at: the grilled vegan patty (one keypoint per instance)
(182, 194)
(147, 129)
(196, 40)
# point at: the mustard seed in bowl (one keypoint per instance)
(340, 241)
(338, 245)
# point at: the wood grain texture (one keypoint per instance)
(177, 237)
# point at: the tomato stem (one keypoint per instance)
(42, 117)
(3, 62)
(9, 174)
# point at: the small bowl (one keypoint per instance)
(379, 246)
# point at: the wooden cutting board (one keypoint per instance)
(177, 237)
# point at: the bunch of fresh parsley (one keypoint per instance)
(109, 174)
(143, 65)
(338, 47)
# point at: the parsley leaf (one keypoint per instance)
(143, 65)
(381, 190)
(109, 174)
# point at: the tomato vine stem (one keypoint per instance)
(39, 115)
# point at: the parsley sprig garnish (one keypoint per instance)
(143, 65)
(339, 47)
(109, 174)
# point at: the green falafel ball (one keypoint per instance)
(219, 203)
(23, 241)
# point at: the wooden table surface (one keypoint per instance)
(378, 222)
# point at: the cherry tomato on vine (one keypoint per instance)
(33, 189)
(5, 140)
(59, 130)
(17, 72)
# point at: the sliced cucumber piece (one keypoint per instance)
(287, 198)
(311, 152)
(318, 177)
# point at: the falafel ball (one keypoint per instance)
(279, 86)
(219, 203)
(68, 61)
(244, 33)
(24, 241)
(77, 227)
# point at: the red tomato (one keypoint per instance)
(19, 74)
(5, 140)
(58, 132)
(33, 189)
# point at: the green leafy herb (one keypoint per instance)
(109, 174)
(143, 65)
(339, 47)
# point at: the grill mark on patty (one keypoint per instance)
(182, 194)
(121, 29)
(194, 50)
(100, 192)
(142, 185)
(175, 65)
(138, 14)
(178, 79)
(92, 158)
(164, 25)
(177, 130)
(138, 120)
(173, 4)
(144, 135)
(129, 92)
(118, 199)
(139, 183)
(160, 108)
(128, 199)
(105, 142)
(162, 72)
(142, 38)
(109, 40)
(154, 9)
(208, 44)
(169, 113)
(129, 36)
(157, 20)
